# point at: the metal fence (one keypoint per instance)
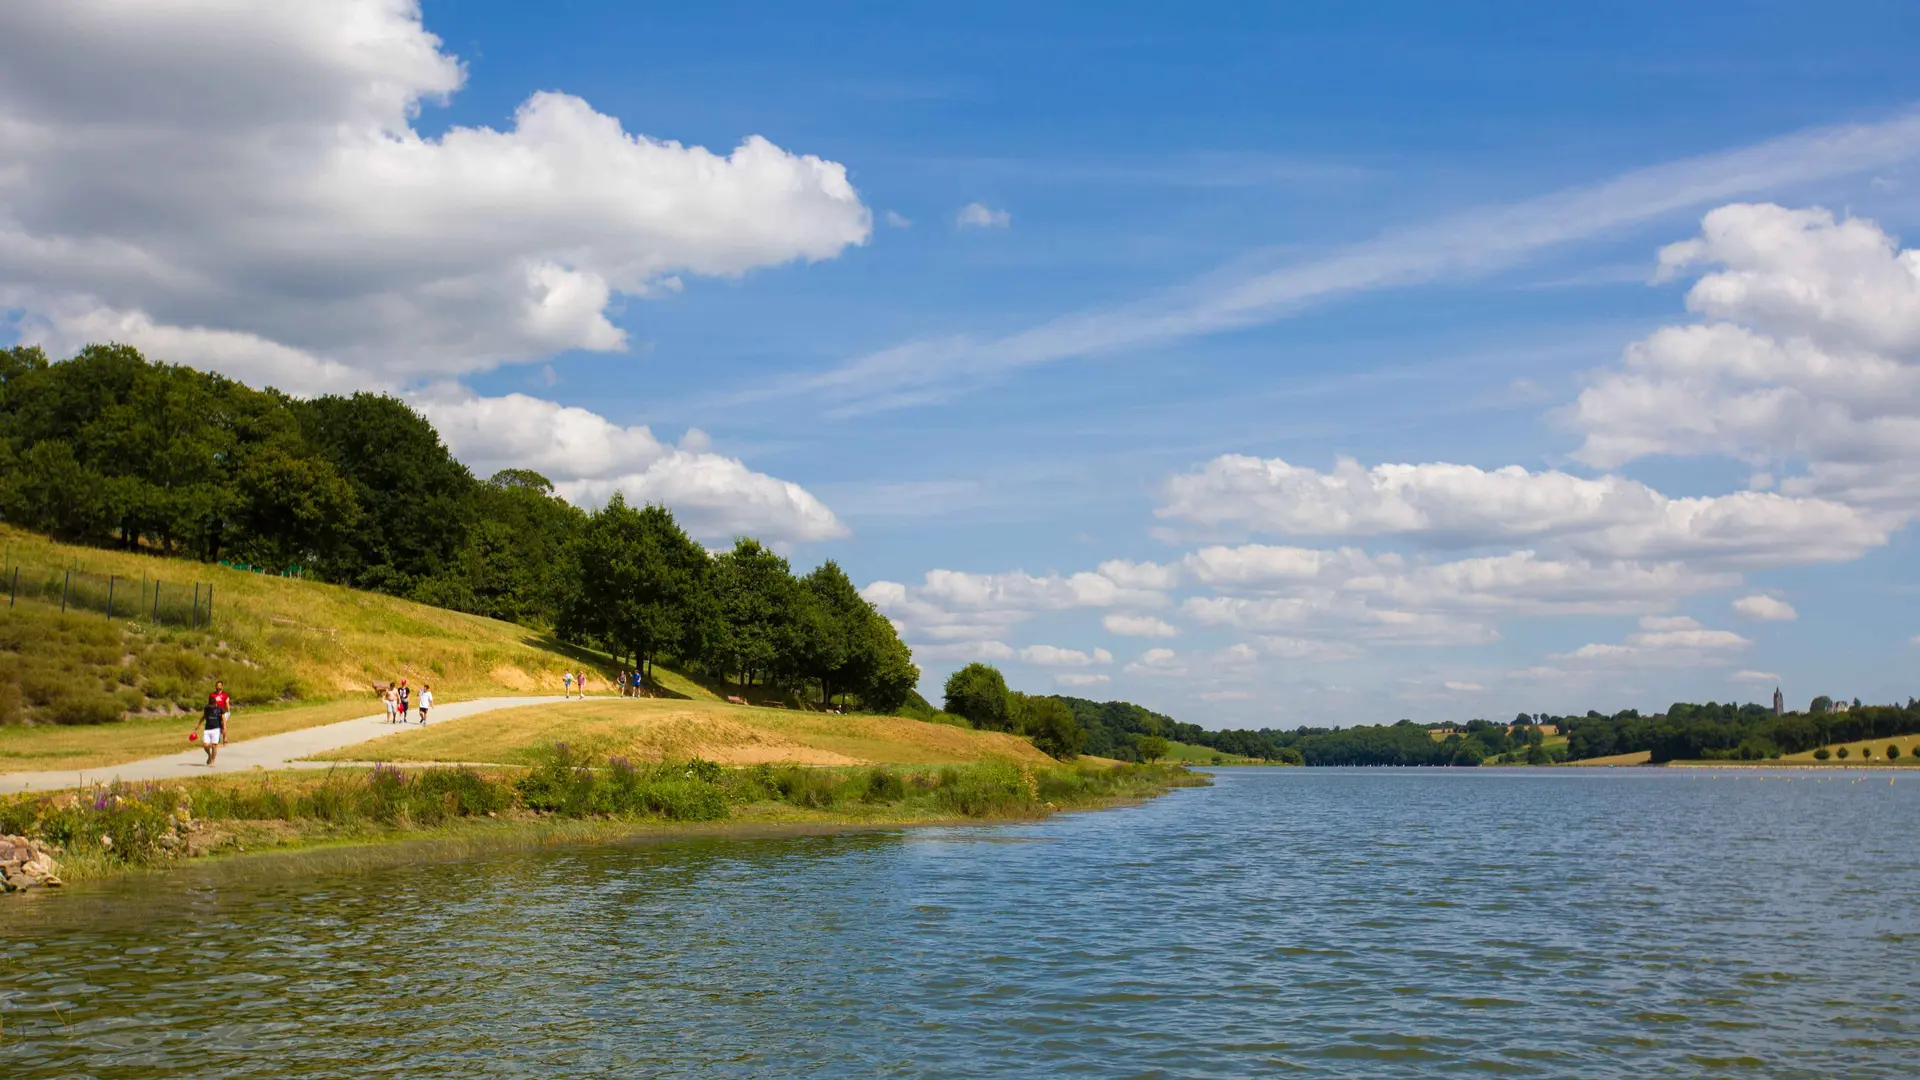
(117, 597)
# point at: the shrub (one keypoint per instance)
(884, 787)
(1822, 754)
(1841, 753)
(85, 708)
(685, 800)
(1893, 752)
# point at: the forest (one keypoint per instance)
(113, 450)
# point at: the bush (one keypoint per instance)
(85, 708)
(1822, 754)
(1893, 752)
(1841, 753)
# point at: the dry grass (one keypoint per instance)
(665, 730)
(332, 639)
(1638, 757)
(1909, 753)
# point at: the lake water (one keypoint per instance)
(1300, 922)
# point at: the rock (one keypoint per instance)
(29, 864)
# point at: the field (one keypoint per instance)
(67, 679)
(1909, 752)
(1638, 757)
(1189, 754)
(669, 730)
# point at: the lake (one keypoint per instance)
(1304, 922)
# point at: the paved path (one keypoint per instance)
(281, 751)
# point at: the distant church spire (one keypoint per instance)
(1779, 703)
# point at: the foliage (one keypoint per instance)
(1822, 754)
(979, 693)
(1049, 722)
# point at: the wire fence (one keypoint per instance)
(163, 603)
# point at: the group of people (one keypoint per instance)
(215, 717)
(574, 680)
(398, 698)
(627, 682)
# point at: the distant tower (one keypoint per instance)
(1779, 703)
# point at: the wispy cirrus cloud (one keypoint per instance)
(1474, 242)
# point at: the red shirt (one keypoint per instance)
(219, 699)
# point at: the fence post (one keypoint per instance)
(193, 621)
(209, 605)
(14, 592)
(64, 583)
(156, 601)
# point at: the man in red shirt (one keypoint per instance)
(213, 721)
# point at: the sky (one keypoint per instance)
(1266, 365)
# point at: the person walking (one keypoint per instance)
(392, 702)
(426, 701)
(406, 698)
(566, 683)
(214, 721)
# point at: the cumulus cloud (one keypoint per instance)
(1767, 608)
(1673, 640)
(1464, 505)
(964, 650)
(978, 215)
(1157, 662)
(1139, 626)
(955, 604)
(1750, 676)
(1463, 687)
(242, 187)
(1080, 679)
(590, 458)
(1807, 365)
(1054, 656)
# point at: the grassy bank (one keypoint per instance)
(121, 827)
(272, 639)
(672, 730)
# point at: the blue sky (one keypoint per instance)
(1205, 240)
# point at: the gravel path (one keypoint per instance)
(281, 751)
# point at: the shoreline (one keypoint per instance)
(277, 850)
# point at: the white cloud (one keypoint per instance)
(1670, 641)
(1809, 365)
(241, 187)
(1347, 618)
(1761, 606)
(1452, 248)
(978, 215)
(1139, 626)
(897, 220)
(1157, 662)
(1610, 517)
(1080, 679)
(964, 650)
(955, 604)
(1463, 687)
(590, 457)
(1225, 695)
(1750, 676)
(1054, 656)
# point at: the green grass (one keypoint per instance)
(1909, 752)
(111, 828)
(1190, 754)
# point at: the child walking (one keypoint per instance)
(426, 701)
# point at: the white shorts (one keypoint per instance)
(210, 737)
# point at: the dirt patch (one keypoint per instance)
(511, 677)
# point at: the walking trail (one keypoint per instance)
(281, 751)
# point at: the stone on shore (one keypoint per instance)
(26, 864)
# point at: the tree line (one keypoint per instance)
(1727, 732)
(111, 449)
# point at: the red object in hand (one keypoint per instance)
(193, 736)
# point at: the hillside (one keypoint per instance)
(66, 681)
(674, 730)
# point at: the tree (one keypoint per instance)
(756, 610)
(837, 646)
(1893, 752)
(639, 583)
(1151, 748)
(979, 693)
(1821, 704)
